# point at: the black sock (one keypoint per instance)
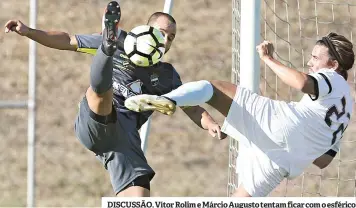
(101, 72)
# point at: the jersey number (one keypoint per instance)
(333, 110)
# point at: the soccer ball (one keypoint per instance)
(144, 45)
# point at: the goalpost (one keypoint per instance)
(293, 26)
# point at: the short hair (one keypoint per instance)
(156, 15)
(340, 49)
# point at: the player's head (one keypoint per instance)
(166, 24)
(334, 52)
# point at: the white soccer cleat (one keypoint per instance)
(140, 103)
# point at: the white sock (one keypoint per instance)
(192, 93)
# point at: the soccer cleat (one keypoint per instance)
(111, 21)
(140, 103)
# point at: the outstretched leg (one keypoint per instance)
(218, 94)
(100, 92)
(97, 125)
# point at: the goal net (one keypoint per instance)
(294, 26)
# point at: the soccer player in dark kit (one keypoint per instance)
(104, 125)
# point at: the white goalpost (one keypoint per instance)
(248, 19)
(30, 105)
(145, 128)
(293, 26)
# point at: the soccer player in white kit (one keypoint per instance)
(279, 139)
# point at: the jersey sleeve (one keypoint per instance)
(322, 87)
(88, 43)
(334, 150)
(176, 81)
(336, 146)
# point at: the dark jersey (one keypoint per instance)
(130, 80)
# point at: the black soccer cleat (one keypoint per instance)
(110, 33)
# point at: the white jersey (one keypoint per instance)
(291, 135)
(316, 123)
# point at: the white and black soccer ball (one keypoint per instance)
(144, 45)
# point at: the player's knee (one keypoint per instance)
(100, 104)
(216, 83)
(224, 87)
(224, 93)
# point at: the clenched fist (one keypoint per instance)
(265, 49)
(17, 26)
(214, 130)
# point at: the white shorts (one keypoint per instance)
(252, 121)
(257, 173)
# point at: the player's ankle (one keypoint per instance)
(108, 49)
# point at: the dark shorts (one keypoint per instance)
(116, 143)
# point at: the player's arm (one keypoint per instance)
(204, 120)
(298, 80)
(324, 160)
(52, 39)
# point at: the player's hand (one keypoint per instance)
(16, 26)
(215, 131)
(265, 49)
